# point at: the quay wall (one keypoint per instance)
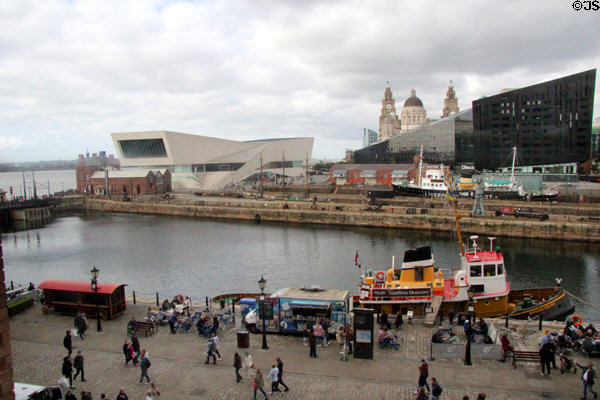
(409, 218)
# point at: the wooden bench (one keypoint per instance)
(525, 356)
(145, 326)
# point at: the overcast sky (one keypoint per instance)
(73, 72)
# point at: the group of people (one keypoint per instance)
(275, 375)
(317, 335)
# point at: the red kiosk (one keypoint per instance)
(71, 297)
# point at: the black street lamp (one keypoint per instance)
(470, 293)
(261, 284)
(95, 271)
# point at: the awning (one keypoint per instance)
(82, 287)
(399, 173)
(339, 173)
(368, 173)
(309, 304)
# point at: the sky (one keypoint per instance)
(73, 72)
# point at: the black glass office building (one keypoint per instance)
(549, 123)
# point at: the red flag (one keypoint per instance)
(356, 258)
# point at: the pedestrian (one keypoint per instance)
(102, 396)
(154, 390)
(588, 377)
(383, 320)
(122, 395)
(86, 395)
(481, 396)
(216, 341)
(78, 364)
(127, 351)
(341, 341)
(274, 378)
(546, 355)
(70, 396)
(312, 343)
(398, 321)
(318, 332)
(423, 374)
(80, 325)
(422, 394)
(144, 366)
(248, 365)
(149, 395)
(280, 374)
(68, 342)
(237, 364)
(210, 351)
(67, 370)
(350, 338)
(258, 384)
(172, 319)
(436, 389)
(135, 344)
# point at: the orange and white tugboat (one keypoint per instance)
(421, 288)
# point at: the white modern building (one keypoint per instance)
(206, 163)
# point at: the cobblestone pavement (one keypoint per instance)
(178, 366)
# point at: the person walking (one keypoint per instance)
(68, 342)
(210, 351)
(258, 384)
(78, 364)
(349, 338)
(546, 355)
(280, 374)
(436, 389)
(70, 396)
(312, 343)
(237, 364)
(422, 394)
(135, 344)
(216, 341)
(144, 366)
(154, 390)
(248, 365)
(341, 341)
(423, 374)
(274, 378)
(122, 395)
(127, 351)
(80, 325)
(67, 370)
(588, 377)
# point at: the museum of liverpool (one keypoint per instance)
(206, 163)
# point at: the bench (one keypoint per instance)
(525, 356)
(146, 327)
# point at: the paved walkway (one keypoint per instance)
(178, 365)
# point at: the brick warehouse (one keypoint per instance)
(131, 181)
(87, 165)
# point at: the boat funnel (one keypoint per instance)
(491, 239)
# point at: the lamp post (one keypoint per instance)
(261, 284)
(95, 271)
(470, 293)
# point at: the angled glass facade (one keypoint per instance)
(143, 148)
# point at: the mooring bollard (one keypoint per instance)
(156, 299)
(540, 325)
(506, 322)
(134, 297)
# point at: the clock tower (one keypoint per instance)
(389, 124)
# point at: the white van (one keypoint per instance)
(25, 391)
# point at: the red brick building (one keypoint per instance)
(131, 181)
(88, 165)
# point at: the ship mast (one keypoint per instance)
(512, 174)
(420, 164)
(457, 216)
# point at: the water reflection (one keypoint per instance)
(205, 258)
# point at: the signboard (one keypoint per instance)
(401, 292)
(268, 309)
(363, 333)
(363, 336)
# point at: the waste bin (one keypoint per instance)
(222, 304)
(243, 339)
